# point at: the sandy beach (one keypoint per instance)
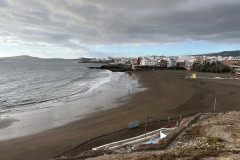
(168, 94)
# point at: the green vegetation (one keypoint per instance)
(163, 145)
(215, 67)
(214, 142)
(195, 131)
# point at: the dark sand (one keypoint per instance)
(168, 94)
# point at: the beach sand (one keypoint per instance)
(168, 94)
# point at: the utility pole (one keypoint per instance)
(215, 101)
(147, 120)
(145, 132)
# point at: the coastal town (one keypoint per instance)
(166, 61)
(183, 61)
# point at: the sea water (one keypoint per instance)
(40, 94)
(29, 84)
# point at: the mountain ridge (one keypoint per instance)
(235, 53)
(20, 57)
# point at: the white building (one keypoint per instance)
(125, 61)
(171, 62)
(145, 61)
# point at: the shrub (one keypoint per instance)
(215, 67)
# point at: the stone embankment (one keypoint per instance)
(124, 68)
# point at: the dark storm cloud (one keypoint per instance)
(76, 23)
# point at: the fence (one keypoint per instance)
(149, 121)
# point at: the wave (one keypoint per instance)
(90, 88)
(100, 82)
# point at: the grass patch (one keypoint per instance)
(195, 131)
(214, 141)
(162, 145)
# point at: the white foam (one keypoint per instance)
(99, 82)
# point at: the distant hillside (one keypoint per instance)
(21, 57)
(226, 53)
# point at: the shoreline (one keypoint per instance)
(4, 123)
(40, 120)
(168, 94)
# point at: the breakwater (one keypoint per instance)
(124, 68)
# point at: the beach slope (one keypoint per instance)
(168, 94)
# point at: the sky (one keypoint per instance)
(117, 28)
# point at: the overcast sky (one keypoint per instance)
(100, 28)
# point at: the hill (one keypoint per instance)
(23, 57)
(225, 53)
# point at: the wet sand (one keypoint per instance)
(168, 94)
(6, 122)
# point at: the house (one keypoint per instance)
(231, 62)
(163, 63)
(125, 61)
(181, 61)
(146, 61)
(237, 71)
(118, 60)
(134, 61)
(180, 64)
(139, 60)
(171, 62)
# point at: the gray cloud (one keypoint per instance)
(78, 23)
(3, 3)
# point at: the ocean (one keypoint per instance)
(31, 84)
(40, 94)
